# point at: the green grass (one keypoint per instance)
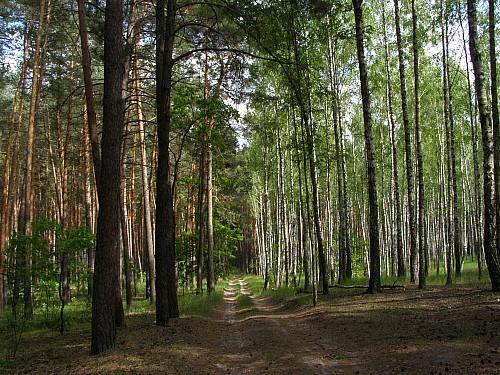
(79, 312)
(469, 275)
(244, 301)
(278, 295)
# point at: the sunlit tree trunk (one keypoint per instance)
(145, 185)
(422, 247)
(494, 113)
(89, 95)
(487, 136)
(28, 204)
(401, 264)
(408, 146)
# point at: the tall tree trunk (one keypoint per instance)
(199, 222)
(166, 285)
(210, 225)
(418, 154)
(457, 243)
(10, 162)
(27, 208)
(494, 113)
(89, 96)
(487, 136)
(89, 223)
(401, 272)
(145, 187)
(126, 244)
(478, 248)
(306, 121)
(107, 256)
(407, 135)
(450, 223)
(374, 282)
(301, 213)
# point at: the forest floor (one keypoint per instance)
(441, 330)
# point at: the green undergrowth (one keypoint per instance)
(78, 315)
(277, 294)
(468, 276)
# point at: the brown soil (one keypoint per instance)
(436, 331)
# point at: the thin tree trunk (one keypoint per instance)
(10, 162)
(401, 272)
(89, 96)
(494, 113)
(407, 136)
(418, 154)
(145, 187)
(210, 225)
(27, 209)
(374, 282)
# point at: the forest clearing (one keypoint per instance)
(249, 186)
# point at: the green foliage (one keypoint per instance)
(48, 244)
(359, 247)
(227, 243)
(244, 301)
(187, 246)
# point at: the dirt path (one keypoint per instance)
(257, 340)
(436, 331)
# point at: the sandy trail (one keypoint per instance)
(266, 341)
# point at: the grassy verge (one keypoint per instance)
(469, 276)
(278, 295)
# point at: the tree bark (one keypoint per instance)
(418, 154)
(145, 187)
(210, 225)
(10, 162)
(166, 286)
(494, 113)
(487, 137)
(374, 282)
(107, 256)
(407, 136)
(401, 264)
(28, 204)
(89, 96)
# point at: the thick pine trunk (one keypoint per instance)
(166, 285)
(106, 293)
